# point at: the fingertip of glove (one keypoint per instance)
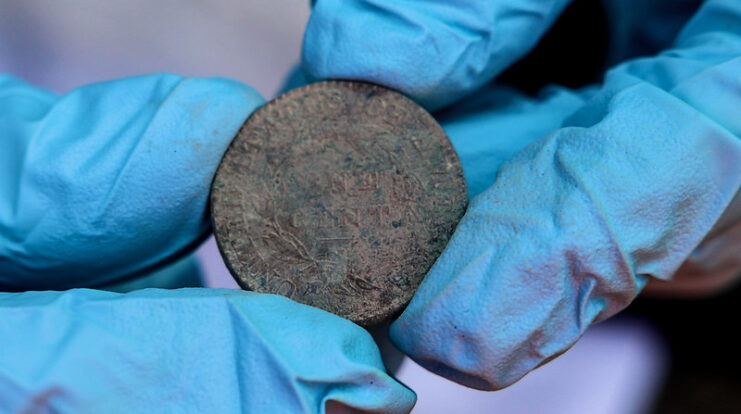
(227, 93)
(208, 111)
(351, 367)
(404, 48)
(423, 345)
(375, 393)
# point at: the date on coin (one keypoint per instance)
(340, 195)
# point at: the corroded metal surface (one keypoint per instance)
(339, 195)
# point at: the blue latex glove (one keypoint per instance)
(608, 186)
(109, 182)
(436, 50)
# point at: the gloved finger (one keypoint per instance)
(713, 267)
(111, 179)
(188, 350)
(576, 223)
(498, 121)
(434, 51)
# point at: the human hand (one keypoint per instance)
(186, 350)
(111, 181)
(579, 196)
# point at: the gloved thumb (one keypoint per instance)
(112, 179)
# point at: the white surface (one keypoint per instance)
(61, 45)
(214, 270)
(614, 369)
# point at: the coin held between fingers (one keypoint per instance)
(339, 195)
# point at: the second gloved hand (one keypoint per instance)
(609, 186)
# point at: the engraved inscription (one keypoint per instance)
(339, 195)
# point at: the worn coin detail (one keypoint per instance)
(339, 195)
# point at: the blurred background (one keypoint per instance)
(665, 357)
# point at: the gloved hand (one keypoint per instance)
(111, 181)
(579, 196)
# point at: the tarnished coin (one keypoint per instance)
(339, 195)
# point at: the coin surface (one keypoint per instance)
(339, 195)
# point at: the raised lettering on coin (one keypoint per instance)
(339, 195)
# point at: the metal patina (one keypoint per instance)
(339, 195)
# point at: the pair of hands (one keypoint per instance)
(578, 198)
